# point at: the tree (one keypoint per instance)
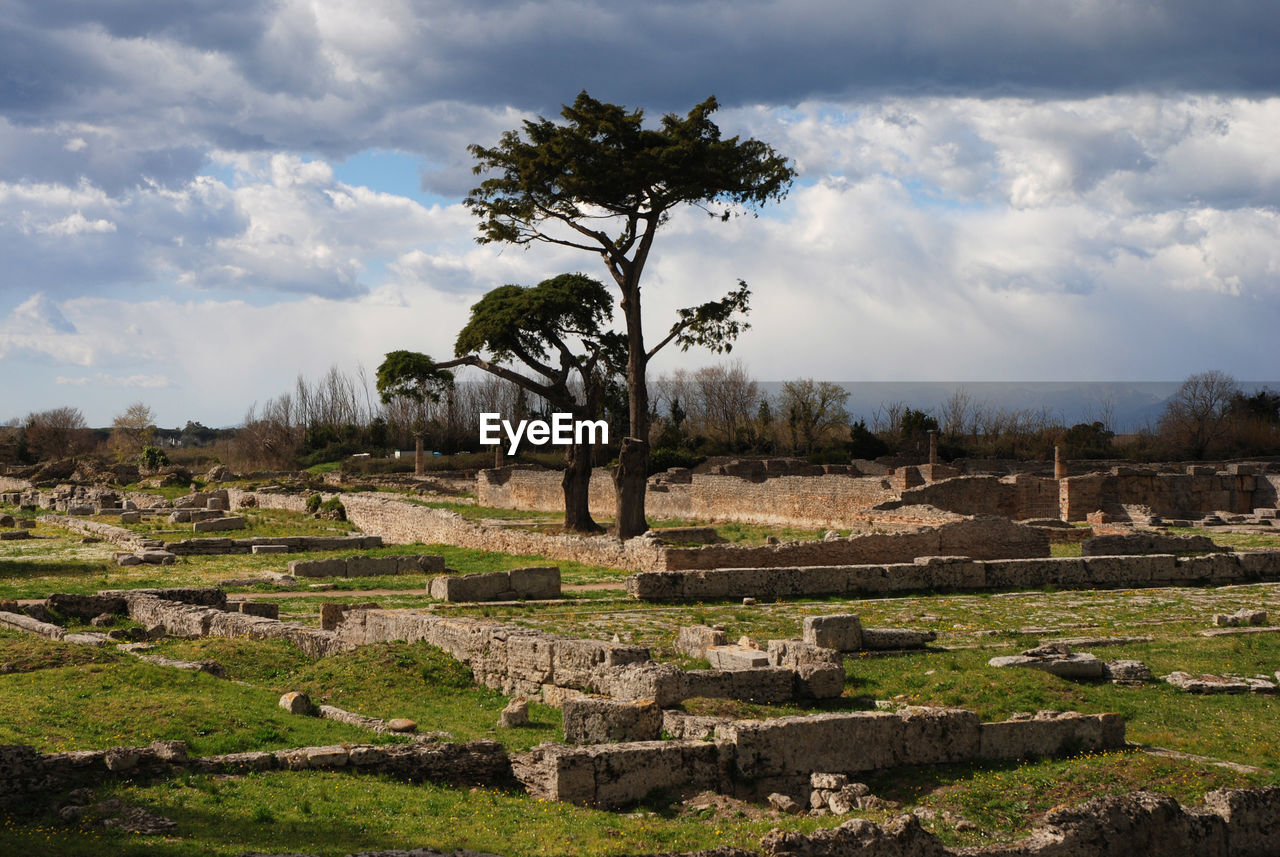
(416, 378)
(557, 329)
(729, 395)
(56, 433)
(1195, 417)
(812, 408)
(603, 183)
(132, 430)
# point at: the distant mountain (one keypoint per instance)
(1126, 405)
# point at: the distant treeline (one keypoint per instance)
(718, 410)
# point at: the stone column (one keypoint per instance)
(1059, 466)
(498, 458)
(933, 446)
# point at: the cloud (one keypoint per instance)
(102, 379)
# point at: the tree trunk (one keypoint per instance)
(633, 455)
(629, 482)
(419, 458)
(576, 483)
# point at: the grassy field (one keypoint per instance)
(64, 696)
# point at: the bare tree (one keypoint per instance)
(1195, 417)
(811, 409)
(729, 398)
(56, 433)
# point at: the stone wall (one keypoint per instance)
(367, 566)
(755, 757)
(1232, 823)
(827, 500)
(191, 620)
(1170, 495)
(536, 583)
(400, 521)
(956, 573)
(219, 546)
(979, 538)
(24, 771)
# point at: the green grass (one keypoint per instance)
(1235, 541)
(410, 680)
(96, 705)
(59, 695)
(335, 814)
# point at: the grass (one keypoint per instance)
(410, 680)
(58, 695)
(96, 705)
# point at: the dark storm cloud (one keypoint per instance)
(325, 77)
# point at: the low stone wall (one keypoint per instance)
(537, 583)
(403, 522)
(956, 573)
(978, 538)
(522, 661)
(193, 621)
(24, 771)
(825, 500)
(126, 538)
(753, 758)
(1144, 543)
(219, 546)
(367, 566)
(1232, 823)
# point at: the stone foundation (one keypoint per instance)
(1094, 572)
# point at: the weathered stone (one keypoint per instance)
(268, 609)
(1206, 683)
(269, 549)
(1128, 672)
(795, 653)
(694, 640)
(879, 639)
(1077, 665)
(1240, 618)
(784, 803)
(219, 524)
(731, 658)
(296, 702)
(597, 720)
(331, 615)
(842, 632)
(515, 714)
(828, 781)
(402, 724)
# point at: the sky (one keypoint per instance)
(200, 201)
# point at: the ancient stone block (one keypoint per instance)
(537, 583)
(268, 548)
(598, 720)
(694, 640)
(729, 658)
(819, 681)
(895, 638)
(331, 616)
(296, 702)
(219, 524)
(840, 631)
(794, 653)
(515, 714)
(267, 609)
(1051, 734)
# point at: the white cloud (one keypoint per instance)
(146, 382)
